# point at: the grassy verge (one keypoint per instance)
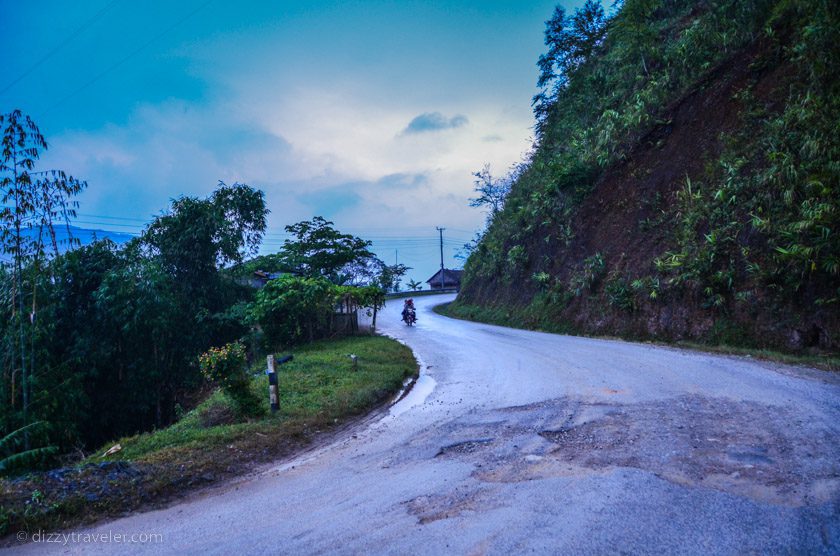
(499, 316)
(517, 319)
(319, 390)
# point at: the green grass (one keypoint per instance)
(824, 362)
(319, 390)
(503, 316)
(522, 319)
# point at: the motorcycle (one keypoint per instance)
(409, 317)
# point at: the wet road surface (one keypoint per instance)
(515, 441)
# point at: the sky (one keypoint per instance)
(371, 114)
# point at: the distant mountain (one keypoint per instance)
(84, 235)
(87, 235)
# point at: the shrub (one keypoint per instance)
(589, 275)
(15, 458)
(542, 279)
(517, 257)
(620, 295)
(648, 287)
(227, 366)
(291, 310)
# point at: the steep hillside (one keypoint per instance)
(685, 183)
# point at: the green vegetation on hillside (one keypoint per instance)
(103, 341)
(291, 310)
(114, 347)
(708, 130)
(319, 389)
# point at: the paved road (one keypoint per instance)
(517, 441)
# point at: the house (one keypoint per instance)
(260, 278)
(451, 280)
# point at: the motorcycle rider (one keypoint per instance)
(408, 313)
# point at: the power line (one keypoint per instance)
(128, 57)
(89, 223)
(90, 21)
(411, 245)
(276, 232)
(144, 220)
(280, 238)
(273, 234)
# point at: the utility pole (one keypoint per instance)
(441, 254)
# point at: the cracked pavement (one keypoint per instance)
(517, 441)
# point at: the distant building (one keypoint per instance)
(261, 278)
(451, 280)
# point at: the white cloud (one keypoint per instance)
(335, 150)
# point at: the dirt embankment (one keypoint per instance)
(631, 218)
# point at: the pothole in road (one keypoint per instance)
(743, 448)
(755, 455)
(466, 447)
(460, 502)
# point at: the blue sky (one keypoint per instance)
(371, 114)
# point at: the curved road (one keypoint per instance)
(516, 441)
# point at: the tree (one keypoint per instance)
(571, 42)
(199, 236)
(149, 309)
(491, 192)
(414, 285)
(370, 297)
(391, 276)
(30, 207)
(175, 278)
(204, 234)
(157, 328)
(466, 251)
(294, 309)
(318, 249)
(12, 459)
(363, 272)
(272, 262)
(635, 28)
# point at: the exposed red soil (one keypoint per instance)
(609, 221)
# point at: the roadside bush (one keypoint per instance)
(517, 257)
(589, 275)
(227, 366)
(620, 294)
(14, 459)
(648, 287)
(543, 279)
(291, 310)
